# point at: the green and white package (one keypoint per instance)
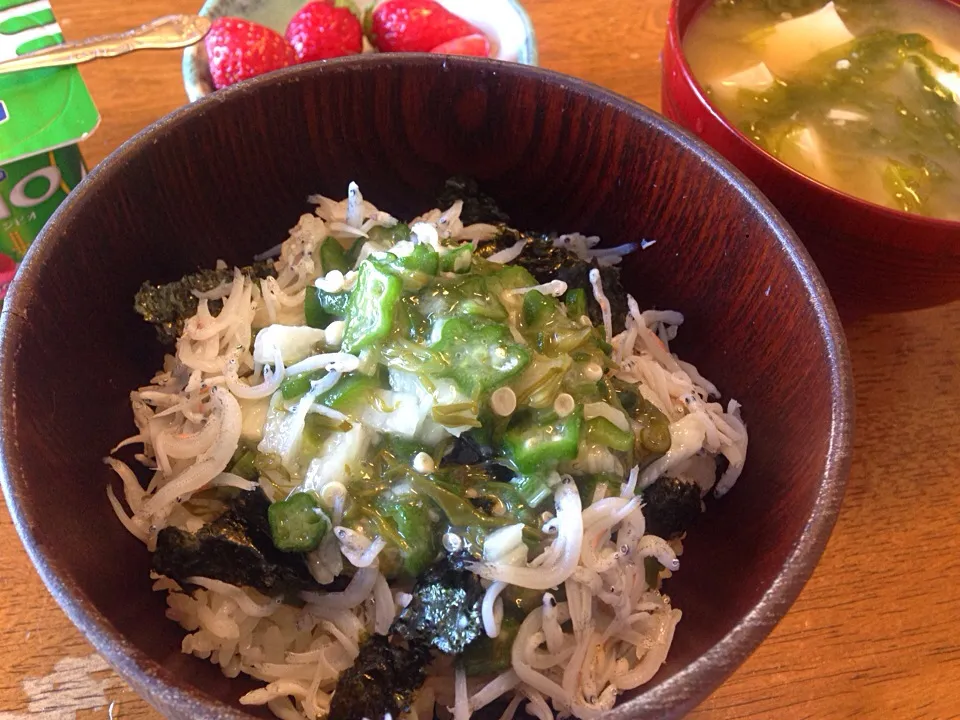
(43, 114)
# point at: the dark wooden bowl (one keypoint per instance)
(875, 259)
(227, 176)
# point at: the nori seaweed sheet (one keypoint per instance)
(381, 680)
(235, 548)
(168, 305)
(477, 206)
(671, 506)
(445, 609)
(444, 614)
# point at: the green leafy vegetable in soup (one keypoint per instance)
(861, 95)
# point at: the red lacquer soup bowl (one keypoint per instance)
(873, 258)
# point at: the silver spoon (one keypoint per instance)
(170, 31)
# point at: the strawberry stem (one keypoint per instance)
(349, 5)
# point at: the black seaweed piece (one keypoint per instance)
(577, 276)
(485, 505)
(500, 473)
(445, 609)
(546, 262)
(443, 614)
(671, 506)
(382, 679)
(169, 305)
(477, 206)
(236, 548)
(467, 449)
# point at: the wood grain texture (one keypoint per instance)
(880, 617)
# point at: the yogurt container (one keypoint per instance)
(43, 115)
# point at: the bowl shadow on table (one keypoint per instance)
(228, 176)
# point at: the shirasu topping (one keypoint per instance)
(401, 400)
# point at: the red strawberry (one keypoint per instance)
(239, 49)
(415, 26)
(476, 45)
(321, 30)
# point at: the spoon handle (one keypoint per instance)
(170, 31)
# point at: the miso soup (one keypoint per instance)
(861, 95)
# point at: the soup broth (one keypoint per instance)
(862, 95)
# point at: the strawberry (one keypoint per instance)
(322, 30)
(239, 49)
(415, 26)
(476, 45)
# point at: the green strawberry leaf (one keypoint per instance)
(349, 5)
(368, 25)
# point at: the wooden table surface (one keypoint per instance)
(876, 632)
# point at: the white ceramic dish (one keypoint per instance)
(504, 21)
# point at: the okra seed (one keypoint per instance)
(564, 404)
(503, 401)
(332, 492)
(423, 463)
(592, 372)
